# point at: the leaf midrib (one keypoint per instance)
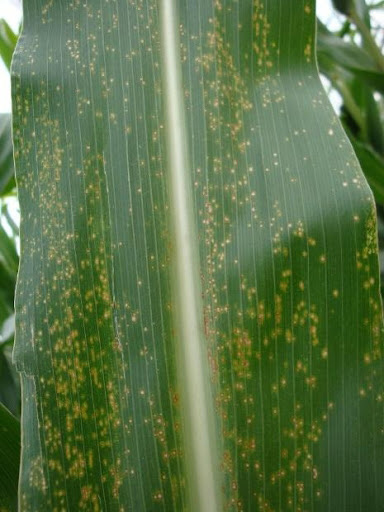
(201, 456)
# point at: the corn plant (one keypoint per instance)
(198, 318)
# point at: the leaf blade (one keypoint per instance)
(8, 40)
(10, 456)
(7, 180)
(287, 261)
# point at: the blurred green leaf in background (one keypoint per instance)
(9, 261)
(9, 459)
(8, 41)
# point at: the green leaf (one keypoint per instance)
(198, 318)
(9, 388)
(377, 5)
(360, 16)
(369, 129)
(375, 132)
(372, 165)
(349, 56)
(9, 261)
(7, 180)
(9, 456)
(8, 254)
(8, 40)
(343, 6)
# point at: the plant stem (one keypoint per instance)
(368, 39)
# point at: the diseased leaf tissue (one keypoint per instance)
(290, 318)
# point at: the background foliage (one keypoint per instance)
(9, 260)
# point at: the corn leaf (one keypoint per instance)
(349, 56)
(7, 180)
(8, 41)
(9, 390)
(10, 457)
(198, 320)
(373, 166)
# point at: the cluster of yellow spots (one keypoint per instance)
(45, 11)
(311, 381)
(36, 476)
(264, 505)
(242, 354)
(90, 499)
(300, 315)
(159, 429)
(73, 47)
(278, 314)
(308, 50)
(260, 312)
(289, 336)
(368, 283)
(229, 84)
(371, 233)
(158, 496)
(299, 229)
(286, 280)
(213, 361)
(262, 46)
(76, 461)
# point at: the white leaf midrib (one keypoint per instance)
(201, 456)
